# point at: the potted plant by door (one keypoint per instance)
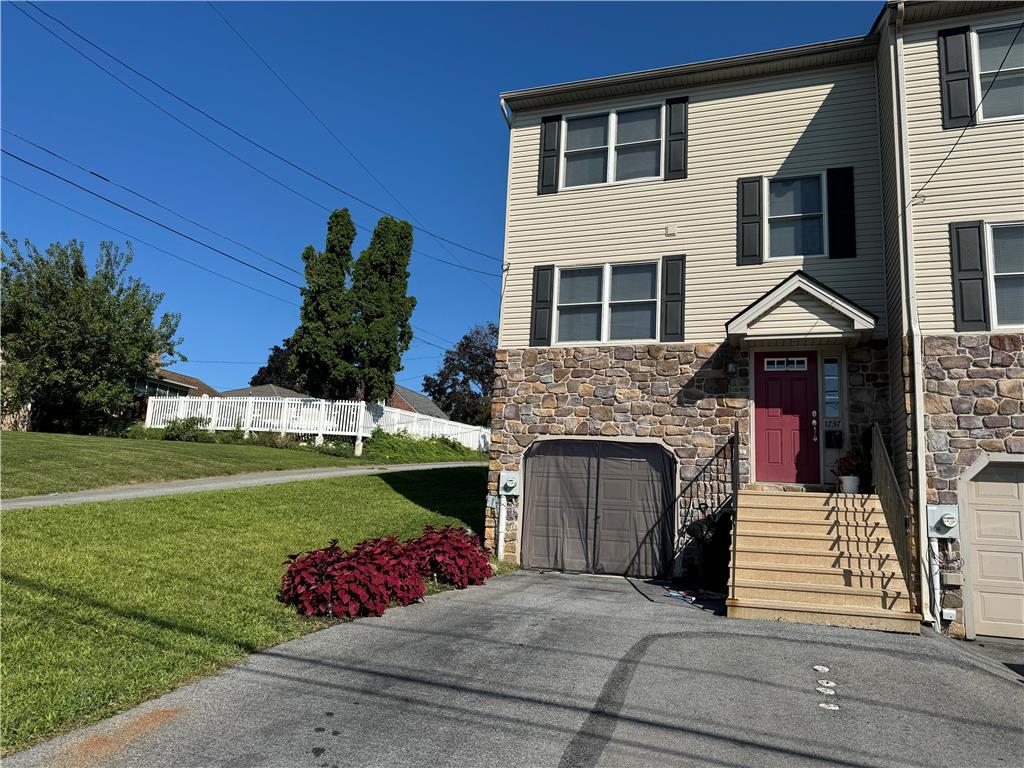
(849, 469)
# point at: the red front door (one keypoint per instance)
(786, 417)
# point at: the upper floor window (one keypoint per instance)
(796, 216)
(1000, 68)
(607, 303)
(621, 145)
(1007, 288)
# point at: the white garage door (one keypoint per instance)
(995, 551)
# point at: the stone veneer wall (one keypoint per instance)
(973, 402)
(679, 394)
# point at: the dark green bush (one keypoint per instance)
(234, 436)
(274, 440)
(190, 430)
(139, 431)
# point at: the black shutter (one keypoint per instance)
(547, 178)
(970, 295)
(673, 295)
(541, 306)
(748, 221)
(955, 79)
(676, 137)
(842, 222)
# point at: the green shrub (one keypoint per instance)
(273, 440)
(139, 431)
(234, 436)
(190, 430)
(403, 447)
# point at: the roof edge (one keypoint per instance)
(579, 90)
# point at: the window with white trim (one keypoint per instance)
(1000, 68)
(796, 216)
(611, 302)
(619, 145)
(1007, 286)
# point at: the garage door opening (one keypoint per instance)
(598, 506)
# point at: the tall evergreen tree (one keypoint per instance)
(322, 349)
(380, 287)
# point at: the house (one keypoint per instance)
(406, 399)
(721, 277)
(165, 383)
(263, 390)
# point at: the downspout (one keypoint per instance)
(507, 114)
(914, 333)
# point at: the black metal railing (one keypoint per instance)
(895, 509)
(707, 502)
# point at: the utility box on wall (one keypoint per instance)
(509, 483)
(943, 521)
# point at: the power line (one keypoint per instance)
(326, 127)
(244, 137)
(150, 200)
(103, 177)
(970, 122)
(223, 362)
(151, 220)
(150, 245)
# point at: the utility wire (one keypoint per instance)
(327, 128)
(970, 122)
(143, 216)
(149, 200)
(246, 138)
(150, 245)
(214, 143)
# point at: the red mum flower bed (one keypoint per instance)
(365, 580)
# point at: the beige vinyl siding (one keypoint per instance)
(896, 309)
(982, 179)
(801, 313)
(787, 125)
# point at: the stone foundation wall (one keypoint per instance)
(973, 402)
(677, 394)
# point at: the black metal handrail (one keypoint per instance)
(712, 492)
(895, 509)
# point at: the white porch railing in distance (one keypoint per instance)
(308, 416)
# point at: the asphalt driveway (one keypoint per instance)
(551, 670)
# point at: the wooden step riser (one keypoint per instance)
(820, 559)
(886, 601)
(810, 501)
(811, 515)
(835, 545)
(884, 623)
(873, 530)
(835, 577)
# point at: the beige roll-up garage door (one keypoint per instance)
(994, 552)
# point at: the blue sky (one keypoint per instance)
(411, 89)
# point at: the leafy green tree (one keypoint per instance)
(380, 288)
(75, 344)
(322, 353)
(463, 385)
(276, 370)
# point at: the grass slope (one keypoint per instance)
(33, 463)
(107, 605)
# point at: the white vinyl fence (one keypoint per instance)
(309, 417)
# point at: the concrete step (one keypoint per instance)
(875, 528)
(784, 500)
(825, 544)
(821, 594)
(762, 552)
(838, 616)
(813, 574)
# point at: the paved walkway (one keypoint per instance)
(224, 482)
(550, 670)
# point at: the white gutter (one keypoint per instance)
(914, 334)
(506, 113)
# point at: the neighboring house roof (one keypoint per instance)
(196, 386)
(420, 403)
(263, 390)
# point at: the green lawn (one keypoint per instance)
(34, 463)
(106, 605)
